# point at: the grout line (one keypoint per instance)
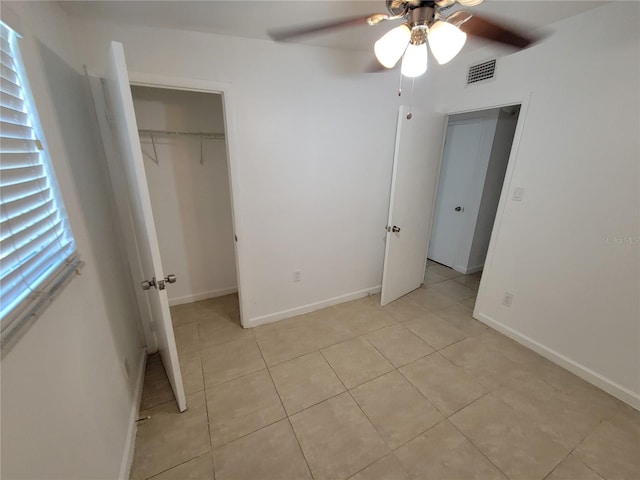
(177, 465)
(295, 435)
(478, 448)
(272, 382)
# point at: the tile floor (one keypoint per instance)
(414, 390)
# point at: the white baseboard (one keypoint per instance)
(311, 307)
(196, 297)
(609, 386)
(130, 442)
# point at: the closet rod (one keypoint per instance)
(160, 133)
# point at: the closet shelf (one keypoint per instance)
(165, 133)
(153, 134)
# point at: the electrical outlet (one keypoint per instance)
(507, 300)
(297, 275)
(518, 193)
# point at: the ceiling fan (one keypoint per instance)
(424, 22)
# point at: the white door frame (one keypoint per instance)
(524, 103)
(226, 91)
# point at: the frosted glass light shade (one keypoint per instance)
(390, 47)
(446, 40)
(414, 62)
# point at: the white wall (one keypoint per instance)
(493, 182)
(66, 399)
(561, 251)
(189, 193)
(314, 155)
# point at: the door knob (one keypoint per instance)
(159, 284)
(459, 209)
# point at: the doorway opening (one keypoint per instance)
(184, 150)
(474, 163)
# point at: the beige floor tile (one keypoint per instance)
(430, 299)
(443, 270)
(460, 317)
(226, 306)
(242, 406)
(517, 353)
(271, 453)
(395, 408)
(573, 469)
(305, 381)
(169, 437)
(280, 343)
(217, 330)
(471, 281)
(187, 313)
(156, 389)
(356, 361)
(432, 276)
(568, 419)
(387, 468)
(448, 387)
(443, 453)
(613, 448)
(187, 340)
(435, 331)
(469, 302)
(363, 316)
(453, 289)
(337, 439)
(199, 468)
(192, 378)
(403, 310)
(514, 443)
(398, 345)
(329, 327)
(486, 365)
(230, 360)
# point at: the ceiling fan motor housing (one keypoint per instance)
(422, 16)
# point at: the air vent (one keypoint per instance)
(481, 71)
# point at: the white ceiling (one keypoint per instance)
(252, 19)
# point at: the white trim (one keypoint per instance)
(130, 442)
(524, 103)
(226, 89)
(312, 307)
(196, 297)
(609, 386)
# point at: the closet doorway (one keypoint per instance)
(474, 163)
(184, 147)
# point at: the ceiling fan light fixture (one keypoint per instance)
(414, 62)
(390, 47)
(446, 40)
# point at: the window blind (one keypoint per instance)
(37, 249)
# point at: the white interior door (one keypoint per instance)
(410, 208)
(456, 177)
(125, 129)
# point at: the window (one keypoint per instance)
(37, 249)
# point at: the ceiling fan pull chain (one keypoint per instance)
(400, 86)
(410, 114)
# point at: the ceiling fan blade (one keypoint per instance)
(376, 67)
(280, 35)
(478, 26)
